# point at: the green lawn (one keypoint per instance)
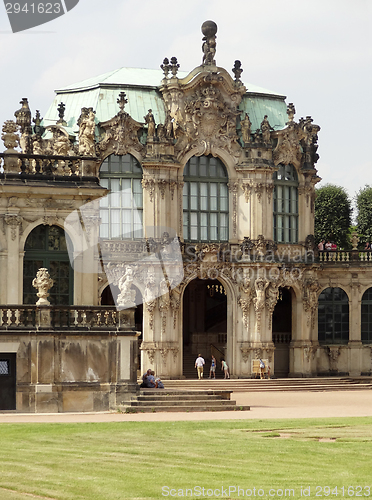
(140, 460)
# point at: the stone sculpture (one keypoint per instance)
(86, 135)
(43, 283)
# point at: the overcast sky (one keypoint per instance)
(318, 53)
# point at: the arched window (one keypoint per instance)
(367, 317)
(205, 200)
(48, 247)
(121, 211)
(333, 316)
(285, 205)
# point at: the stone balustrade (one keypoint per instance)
(36, 166)
(65, 318)
(344, 256)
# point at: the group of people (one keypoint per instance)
(329, 246)
(200, 362)
(150, 382)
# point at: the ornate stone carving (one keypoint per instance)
(269, 190)
(127, 296)
(87, 145)
(175, 303)
(162, 183)
(310, 352)
(272, 295)
(246, 351)
(9, 136)
(13, 221)
(247, 189)
(150, 349)
(260, 246)
(259, 188)
(245, 303)
(43, 283)
(259, 301)
(164, 304)
(150, 295)
(121, 132)
(233, 188)
(310, 299)
(149, 185)
(297, 142)
(333, 354)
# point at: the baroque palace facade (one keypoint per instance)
(175, 212)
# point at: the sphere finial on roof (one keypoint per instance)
(209, 28)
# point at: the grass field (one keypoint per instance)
(140, 460)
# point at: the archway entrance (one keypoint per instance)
(282, 332)
(204, 324)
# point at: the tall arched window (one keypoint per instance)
(48, 247)
(205, 200)
(367, 317)
(121, 211)
(286, 204)
(333, 316)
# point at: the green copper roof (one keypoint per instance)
(142, 90)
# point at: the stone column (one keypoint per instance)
(355, 344)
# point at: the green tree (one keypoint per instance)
(364, 217)
(332, 215)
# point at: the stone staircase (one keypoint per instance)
(284, 384)
(189, 370)
(176, 400)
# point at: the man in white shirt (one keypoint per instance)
(199, 363)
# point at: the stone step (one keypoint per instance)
(180, 402)
(178, 408)
(180, 397)
(247, 385)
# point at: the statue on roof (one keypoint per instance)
(266, 128)
(150, 120)
(246, 125)
(86, 135)
(209, 30)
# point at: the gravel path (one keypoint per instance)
(264, 405)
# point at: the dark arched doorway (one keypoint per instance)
(204, 324)
(282, 332)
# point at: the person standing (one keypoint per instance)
(199, 364)
(225, 368)
(212, 371)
